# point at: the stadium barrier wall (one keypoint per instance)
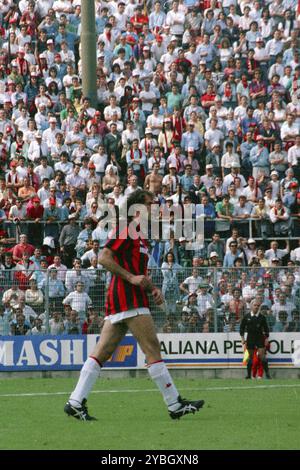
(180, 351)
(15, 229)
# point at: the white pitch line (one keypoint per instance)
(151, 390)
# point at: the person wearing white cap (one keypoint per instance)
(148, 143)
(171, 179)
(214, 158)
(37, 148)
(251, 249)
(213, 258)
(50, 52)
(208, 178)
(235, 173)
(49, 135)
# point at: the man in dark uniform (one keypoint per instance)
(255, 324)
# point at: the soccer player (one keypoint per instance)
(127, 308)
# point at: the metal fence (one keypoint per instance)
(201, 299)
(249, 228)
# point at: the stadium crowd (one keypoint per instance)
(198, 102)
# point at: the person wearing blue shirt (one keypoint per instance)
(191, 138)
(231, 256)
(75, 19)
(63, 35)
(206, 51)
(50, 29)
(2, 219)
(249, 123)
(131, 34)
(127, 48)
(290, 197)
(259, 157)
(187, 180)
(246, 148)
(40, 275)
(52, 214)
(55, 286)
(210, 214)
(83, 237)
(157, 18)
(101, 21)
(65, 210)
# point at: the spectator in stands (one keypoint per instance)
(19, 326)
(38, 328)
(170, 287)
(56, 324)
(237, 87)
(34, 296)
(78, 300)
(76, 274)
(73, 324)
(68, 239)
(22, 247)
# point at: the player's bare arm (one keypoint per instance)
(107, 260)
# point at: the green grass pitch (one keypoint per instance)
(131, 415)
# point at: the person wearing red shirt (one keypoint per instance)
(178, 124)
(24, 270)
(22, 64)
(184, 65)
(30, 19)
(101, 125)
(35, 213)
(138, 20)
(22, 247)
(208, 99)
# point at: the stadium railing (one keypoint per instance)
(15, 229)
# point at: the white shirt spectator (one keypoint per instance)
(176, 22)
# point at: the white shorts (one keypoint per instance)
(135, 312)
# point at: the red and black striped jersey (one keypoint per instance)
(131, 255)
